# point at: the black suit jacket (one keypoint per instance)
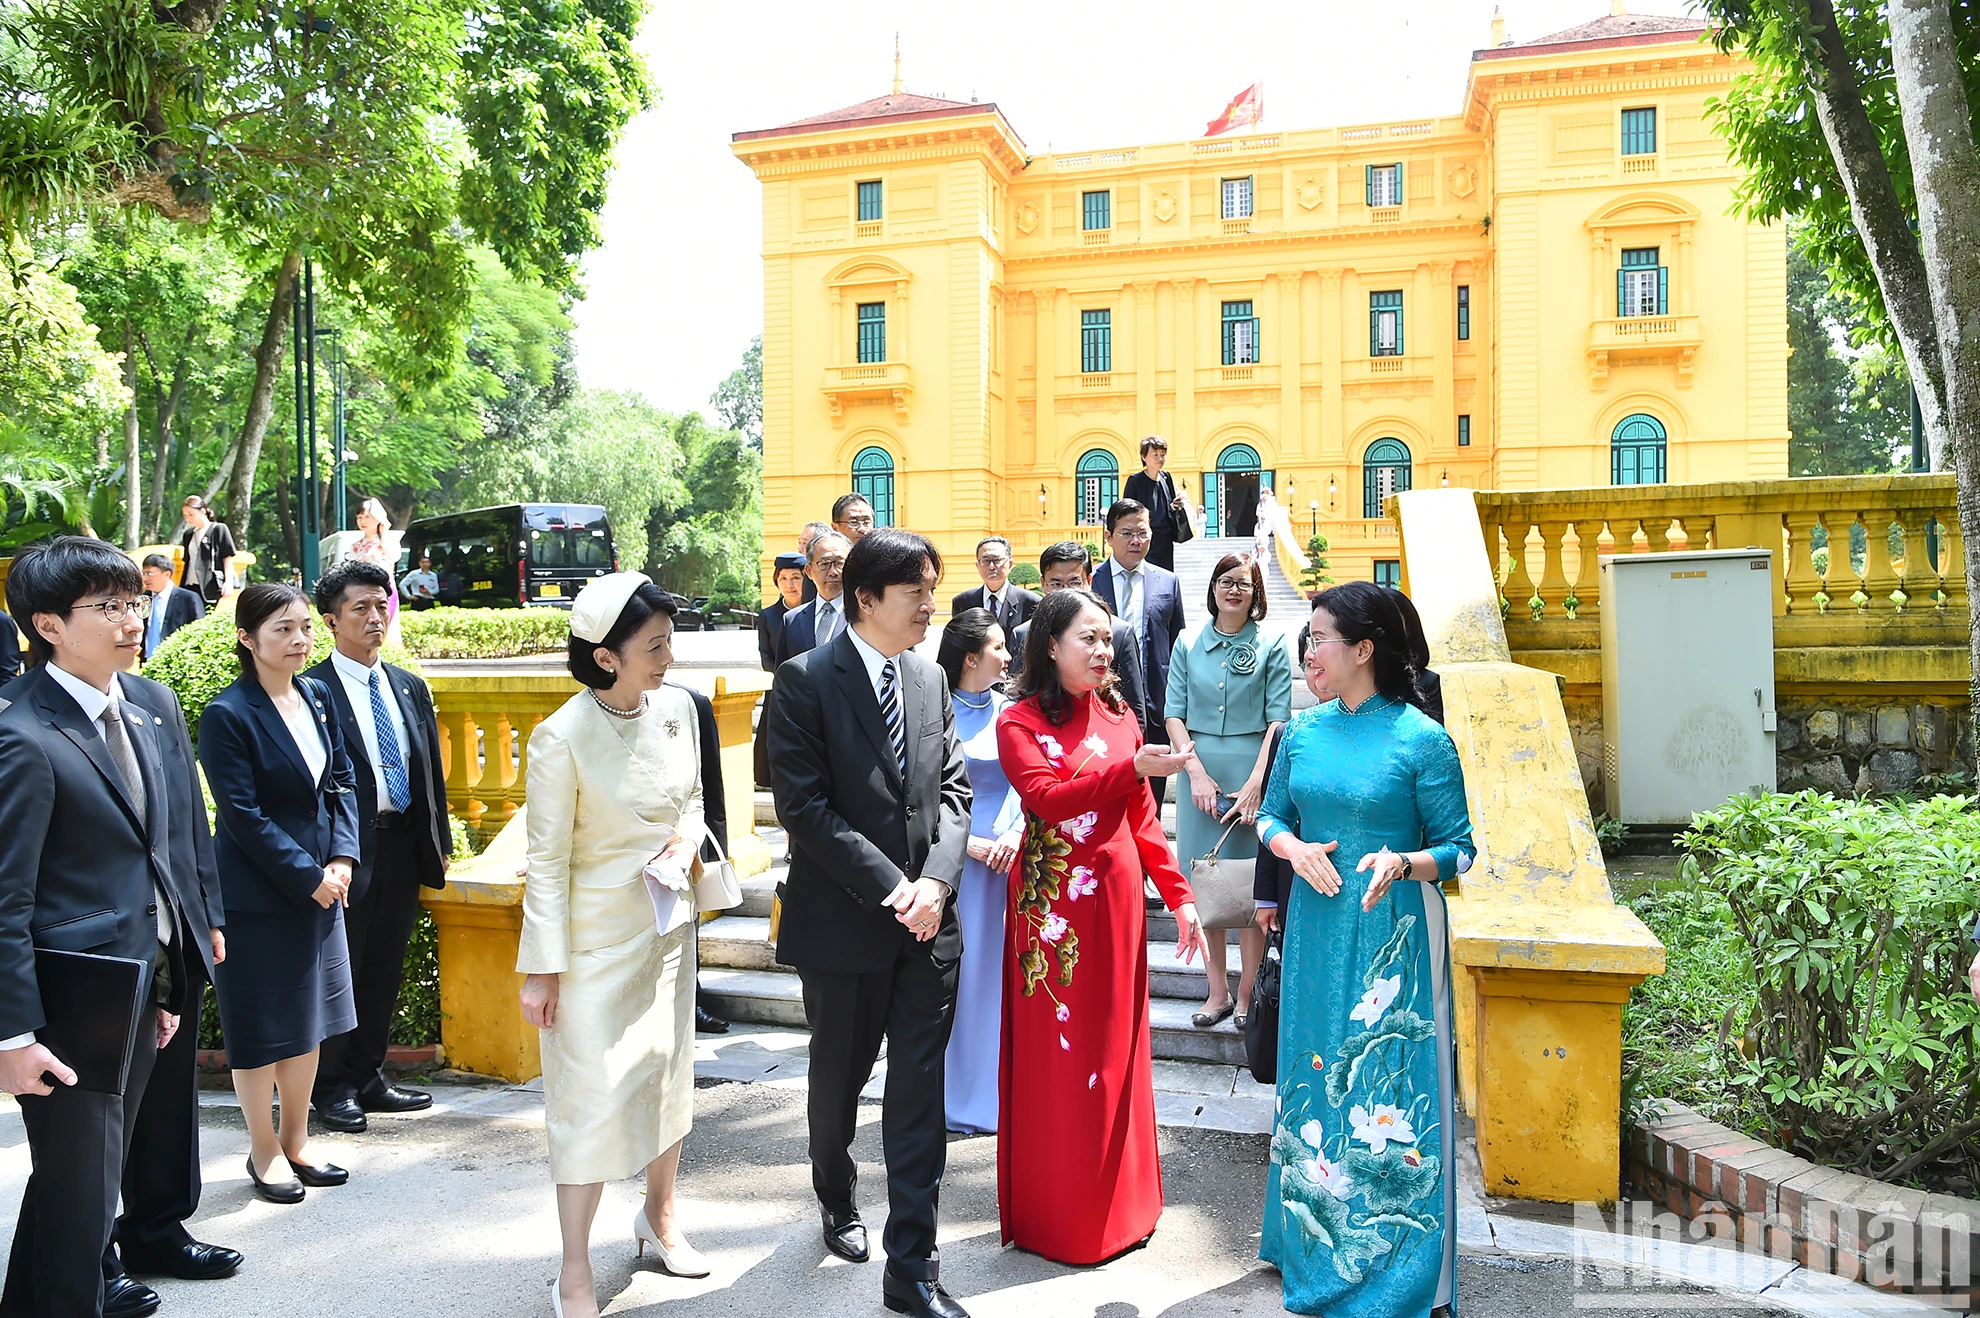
(770, 634)
(1162, 614)
(714, 801)
(800, 633)
(79, 870)
(856, 827)
(1020, 602)
(278, 826)
(195, 871)
(425, 774)
(1134, 686)
(10, 648)
(181, 606)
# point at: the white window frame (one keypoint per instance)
(1237, 198)
(1388, 185)
(1640, 291)
(1244, 342)
(1387, 321)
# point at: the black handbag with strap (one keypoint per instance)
(1261, 1021)
(1182, 528)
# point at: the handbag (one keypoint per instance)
(716, 887)
(1223, 888)
(1261, 1022)
(1182, 529)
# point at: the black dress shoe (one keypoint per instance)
(127, 1297)
(344, 1116)
(923, 1299)
(707, 1024)
(845, 1234)
(191, 1261)
(391, 1098)
(321, 1176)
(277, 1192)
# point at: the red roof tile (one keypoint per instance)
(1609, 30)
(905, 106)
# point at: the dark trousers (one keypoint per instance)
(910, 1004)
(161, 1175)
(1162, 551)
(378, 925)
(78, 1141)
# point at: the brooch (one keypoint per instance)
(673, 727)
(1244, 659)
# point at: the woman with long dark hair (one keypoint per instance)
(1428, 683)
(972, 653)
(1367, 804)
(1078, 1175)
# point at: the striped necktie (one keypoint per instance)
(890, 711)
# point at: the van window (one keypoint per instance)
(593, 549)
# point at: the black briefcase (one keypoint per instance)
(1261, 1021)
(94, 1007)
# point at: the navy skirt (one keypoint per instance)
(285, 986)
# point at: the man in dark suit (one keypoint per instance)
(788, 575)
(1067, 566)
(871, 786)
(1009, 605)
(10, 649)
(86, 808)
(1149, 600)
(172, 607)
(822, 618)
(405, 836)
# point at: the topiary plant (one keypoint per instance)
(1026, 575)
(198, 662)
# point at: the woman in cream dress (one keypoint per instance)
(614, 795)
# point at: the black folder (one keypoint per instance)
(94, 1006)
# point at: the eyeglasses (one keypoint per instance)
(1233, 583)
(1136, 537)
(115, 611)
(860, 521)
(993, 562)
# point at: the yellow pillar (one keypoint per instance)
(478, 919)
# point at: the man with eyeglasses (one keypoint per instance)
(1067, 566)
(107, 853)
(852, 517)
(811, 625)
(1010, 605)
(172, 607)
(1149, 600)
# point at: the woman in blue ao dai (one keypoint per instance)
(1366, 802)
(974, 656)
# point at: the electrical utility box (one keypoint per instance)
(1687, 681)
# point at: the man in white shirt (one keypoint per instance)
(1010, 605)
(421, 586)
(817, 623)
(1149, 600)
(405, 836)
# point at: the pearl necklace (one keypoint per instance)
(627, 714)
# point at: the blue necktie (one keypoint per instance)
(390, 760)
(890, 710)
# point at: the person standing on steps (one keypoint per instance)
(1155, 489)
(869, 780)
(1009, 606)
(1068, 566)
(824, 618)
(852, 517)
(405, 837)
(1149, 600)
(788, 574)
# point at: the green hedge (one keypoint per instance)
(442, 633)
(198, 663)
(1817, 983)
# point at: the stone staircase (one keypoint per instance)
(740, 973)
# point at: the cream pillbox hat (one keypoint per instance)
(598, 606)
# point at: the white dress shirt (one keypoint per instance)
(1131, 593)
(874, 662)
(825, 606)
(357, 689)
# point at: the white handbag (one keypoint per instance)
(716, 887)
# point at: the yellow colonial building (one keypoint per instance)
(1546, 289)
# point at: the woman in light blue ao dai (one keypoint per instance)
(1366, 802)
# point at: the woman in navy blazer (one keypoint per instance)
(283, 790)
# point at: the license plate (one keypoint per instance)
(550, 591)
(483, 585)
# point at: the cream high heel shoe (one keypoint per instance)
(683, 1262)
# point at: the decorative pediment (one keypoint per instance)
(1644, 208)
(867, 269)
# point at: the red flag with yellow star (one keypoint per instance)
(1244, 111)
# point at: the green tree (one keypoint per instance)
(59, 389)
(713, 544)
(1315, 575)
(738, 400)
(1847, 412)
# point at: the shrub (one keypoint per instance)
(1859, 1044)
(1026, 575)
(485, 633)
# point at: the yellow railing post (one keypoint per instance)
(478, 920)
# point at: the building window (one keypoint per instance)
(1385, 324)
(1237, 198)
(1464, 430)
(1637, 451)
(1099, 481)
(1464, 311)
(1384, 183)
(1384, 471)
(1639, 132)
(1096, 340)
(1642, 286)
(872, 331)
(869, 200)
(873, 481)
(1388, 572)
(1240, 334)
(1096, 210)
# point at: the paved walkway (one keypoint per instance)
(449, 1212)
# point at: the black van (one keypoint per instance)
(515, 555)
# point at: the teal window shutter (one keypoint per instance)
(1399, 319)
(869, 201)
(1096, 333)
(1368, 174)
(873, 331)
(1663, 290)
(1398, 185)
(1374, 329)
(1622, 293)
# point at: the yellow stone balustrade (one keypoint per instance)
(1542, 957)
(1896, 620)
(485, 722)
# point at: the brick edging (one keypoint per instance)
(1727, 1185)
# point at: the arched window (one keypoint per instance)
(1637, 451)
(1384, 471)
(873, 480)
(1099, 478)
